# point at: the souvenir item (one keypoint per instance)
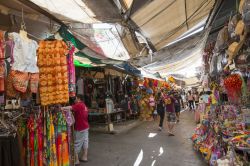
(242, 59)
(246, 12)
(232, 24)
(222, 39)
(239, 28)
(213, 65)
(241, 6)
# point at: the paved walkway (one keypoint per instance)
(145, 146)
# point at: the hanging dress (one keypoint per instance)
(2, 63)
(71, 73)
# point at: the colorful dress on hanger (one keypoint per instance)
(31, 143)
(71, 72)
(40, 141)
(62, 142)
(2, 63)
(51, 145)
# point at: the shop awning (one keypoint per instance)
(79, 64)
(147, 74)
(82, 55)
(101, 38)
(87, 11)
(163, 21)
(129, 68)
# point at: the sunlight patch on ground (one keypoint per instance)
(153, 163)
(161, 151)
(139, 158)
(151, 135)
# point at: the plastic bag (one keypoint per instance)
(246, 12)
(224, 60)
(219, 64)
(222, 39)
(213, 65)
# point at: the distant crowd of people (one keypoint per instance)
(163, 104)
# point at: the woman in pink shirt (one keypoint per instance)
(81, 129)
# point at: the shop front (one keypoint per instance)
(223, 134)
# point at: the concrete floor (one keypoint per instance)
(145, 146)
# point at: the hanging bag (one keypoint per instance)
(241, 6)
(222, 39)
(239, 29)
(246, 12)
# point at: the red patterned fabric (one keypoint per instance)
(10, 90)
(20, 80)
(34, 80)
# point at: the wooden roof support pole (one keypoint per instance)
(186, 14)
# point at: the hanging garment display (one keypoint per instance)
(24, 53)
(71, 72)
(2, 63)
(24, 72)
(45, 137)
(52, 62)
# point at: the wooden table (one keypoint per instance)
(103, 118)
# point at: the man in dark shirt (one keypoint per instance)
(177, 105)
(160, 107)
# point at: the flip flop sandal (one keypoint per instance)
(84, 161)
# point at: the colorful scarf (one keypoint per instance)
(71, 73)
(2, 63)
(52, 148)
(40, 141)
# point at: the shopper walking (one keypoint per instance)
(190, 101)
(81, 130)
(177, 105)
(170, 111)
(196, 99)
(160, 107)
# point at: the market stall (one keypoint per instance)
(223, 135)
(38, 81)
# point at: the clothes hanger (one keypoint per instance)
(23, 32)
(52, 37)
